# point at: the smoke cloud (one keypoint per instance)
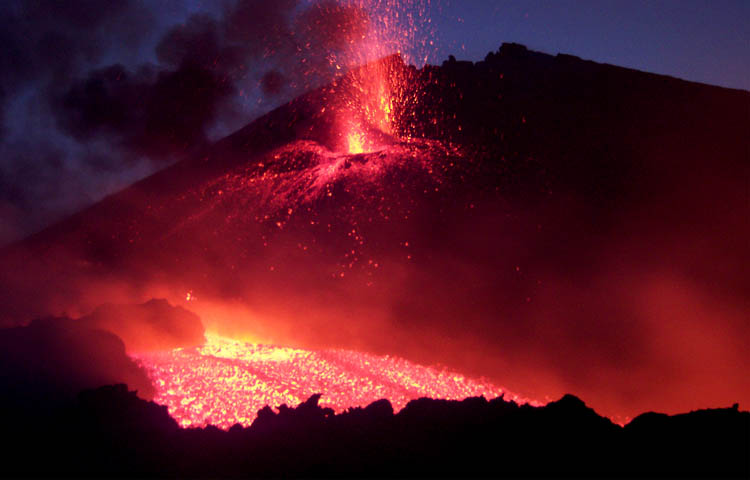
(95, 95)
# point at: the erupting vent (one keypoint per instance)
(225, 382)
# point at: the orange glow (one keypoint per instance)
(373, 89)
(354, 140)
(226, 381)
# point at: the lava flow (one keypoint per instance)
(226, 382)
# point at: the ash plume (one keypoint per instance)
(95, 95)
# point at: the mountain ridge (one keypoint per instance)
(267, 120)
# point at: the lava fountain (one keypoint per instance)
(225, 381)
(371, 92)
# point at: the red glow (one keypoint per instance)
(372, 91)
(226, 381)
(364, 106)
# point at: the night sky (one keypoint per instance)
(62, 148)
(696, 40)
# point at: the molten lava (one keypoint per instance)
(226, 382)
(354, 140)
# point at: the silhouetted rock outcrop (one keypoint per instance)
(110, 431)
(153, 325)
(48, 362)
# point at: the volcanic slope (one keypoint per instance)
(545, 221)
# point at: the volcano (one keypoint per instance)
(545, 222)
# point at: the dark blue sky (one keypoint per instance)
(701, 40)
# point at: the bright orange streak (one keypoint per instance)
(354, 141)
(226, 381)
(375, 90)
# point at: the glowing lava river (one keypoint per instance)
(225, 382)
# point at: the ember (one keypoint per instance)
(226, 381)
